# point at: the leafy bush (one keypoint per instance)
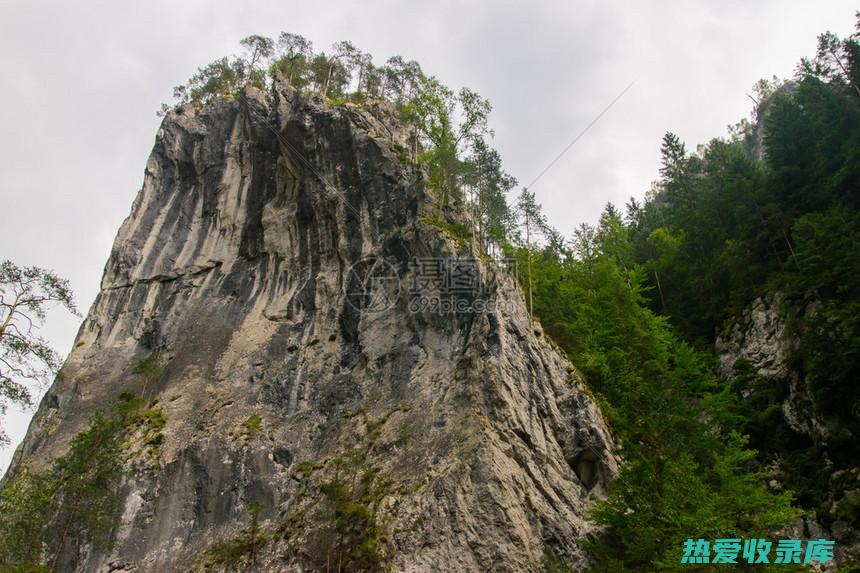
(460, 233)
(253, 425)
(238, 552)
(149, 367)
(74, 499)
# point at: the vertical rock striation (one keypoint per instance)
(264, 277)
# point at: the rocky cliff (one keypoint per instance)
(766, 337)
(275, 294)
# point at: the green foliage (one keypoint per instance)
(458, 232)
(223, 77)
(152, 420)
(681, 478)
(74, 499)
(24, 568)
(352, 497)
(26, 359)
(258, 49)
(826, 262)
(294, 53)
(250, 427)
(486, 180)
(728, 225)
(848, 509)
(747, 226)
(432, 110)
(253, 425)
(239, 552)
(85, 498)
(306, 467)
(25, 510)
(149, 367)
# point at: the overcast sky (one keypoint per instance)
(82, 82)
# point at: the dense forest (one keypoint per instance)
(636, 300)
(639, 299)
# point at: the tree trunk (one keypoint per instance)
(63, 538)
(529, 252)
(474, 221)
(481, 210)
(791, 249)
(10, 315)
(328, 79)
(660, 290)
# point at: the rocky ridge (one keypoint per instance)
(266, 279)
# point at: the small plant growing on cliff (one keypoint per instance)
(458, 232)
(240, 552)
(253, 425)
(149, 367)
(153, 422)
(355, 540)
(141, 423)
(358, 537)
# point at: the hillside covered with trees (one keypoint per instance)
(639, 299)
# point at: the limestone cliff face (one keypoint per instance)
(762, 337)
(266, 275)
(766, 335)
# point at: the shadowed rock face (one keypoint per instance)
(766, 335)
(465, 436)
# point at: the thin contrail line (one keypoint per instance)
(581, 133)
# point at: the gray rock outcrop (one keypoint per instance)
(763, 338)
(766, 336)
(266, 278)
